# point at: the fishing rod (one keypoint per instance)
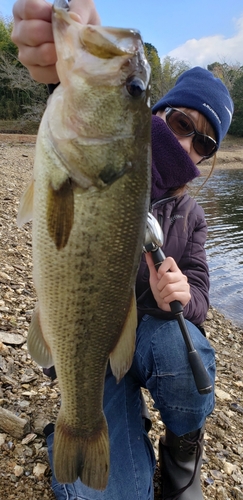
(153, 243)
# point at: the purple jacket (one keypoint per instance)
(185, 231)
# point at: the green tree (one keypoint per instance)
(154, 61)
(232, 76)
(171, 69)
(236, 127)
(6, 44)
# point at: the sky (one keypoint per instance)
(198, 32)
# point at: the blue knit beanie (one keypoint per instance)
(198, 89)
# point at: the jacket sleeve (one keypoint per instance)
(185, 232)
(194, 265)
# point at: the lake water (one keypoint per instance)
(222, 201)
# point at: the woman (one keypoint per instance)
(188, 125)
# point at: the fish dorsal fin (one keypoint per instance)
(25, 212)
(36, 344)
(60, 213)
(121, 357)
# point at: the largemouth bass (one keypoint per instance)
(89, 200)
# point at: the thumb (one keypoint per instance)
(152, 269)
(86, 11)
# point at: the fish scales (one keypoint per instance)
(89, 200)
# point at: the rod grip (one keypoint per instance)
(200, 374)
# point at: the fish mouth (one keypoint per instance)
(101, 42)
(108, 43)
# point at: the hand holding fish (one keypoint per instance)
(32, 33)
(168, 286)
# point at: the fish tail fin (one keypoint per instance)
(87, 457)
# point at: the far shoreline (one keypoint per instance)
(237, 165)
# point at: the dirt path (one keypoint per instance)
(28, 394)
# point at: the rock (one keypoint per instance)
(39, 470)
(18, 471)
(12, 338)
(222, 395)
(238, 477)
(229, 468)
(237, 407)
(237, 493)
(40, 423)
(4, 278)
(29, 438)
(12, 424)
(209, 316)
(221, 494)
(3, 349)
(208, 481)
(2, 438)
(216, 474)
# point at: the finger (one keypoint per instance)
(32, 32)
(182, 296)
(152, 269)
(32, 9)
(45, 75)
(180, 286)
(173, 281)
(168, 264)
(45, 54)
(86, 11)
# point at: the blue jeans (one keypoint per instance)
(161, 365)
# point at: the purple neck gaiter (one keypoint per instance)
(171, 165)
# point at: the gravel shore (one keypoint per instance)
(31, 398)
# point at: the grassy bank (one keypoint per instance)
(30, 127)
(231, 142)
(18, 127)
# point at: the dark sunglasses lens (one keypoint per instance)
(180, 123)
(204, 145)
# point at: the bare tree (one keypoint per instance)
(228, 72)
(30, 95)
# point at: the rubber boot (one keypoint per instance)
(180, 460)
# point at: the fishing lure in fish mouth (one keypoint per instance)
(89, 200)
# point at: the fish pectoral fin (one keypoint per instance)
(60, 213)
(25, 212)
(121, 357)
(80, 455)
(36, 344)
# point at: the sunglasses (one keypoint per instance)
(181, 124)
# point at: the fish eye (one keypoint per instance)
(135, 86)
